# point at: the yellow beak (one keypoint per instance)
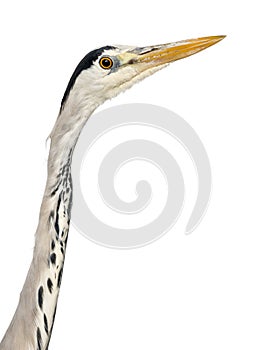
(158, 55)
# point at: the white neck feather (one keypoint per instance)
(31, 326)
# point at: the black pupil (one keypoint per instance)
(106, 63)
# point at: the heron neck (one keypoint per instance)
(33, 320)
(65, 133)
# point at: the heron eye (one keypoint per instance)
(106, 62)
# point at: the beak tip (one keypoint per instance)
(211, 40)
(221, 37)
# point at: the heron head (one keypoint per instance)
(105, 72)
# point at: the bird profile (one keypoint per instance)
(99, 76)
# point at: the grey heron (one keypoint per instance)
(101, 75)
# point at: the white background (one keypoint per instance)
(210, 290)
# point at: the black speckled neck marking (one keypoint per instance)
(85, 63)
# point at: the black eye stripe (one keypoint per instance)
(85, 63)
